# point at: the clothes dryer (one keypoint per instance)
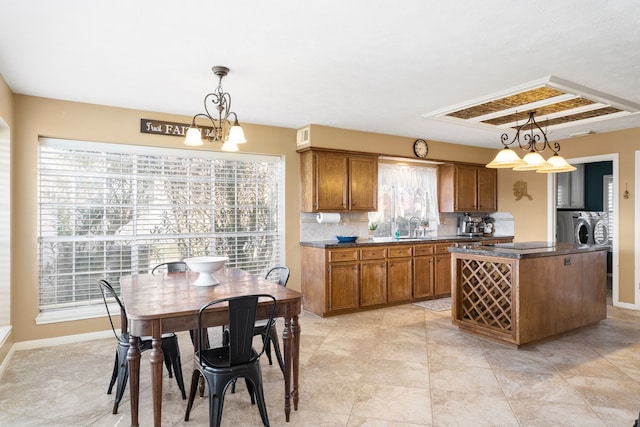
(574, 227)
(600, 228)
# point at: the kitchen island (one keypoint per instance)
(521, 293)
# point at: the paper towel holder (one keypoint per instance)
(327, 218)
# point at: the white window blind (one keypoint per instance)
(107, 210)
(607, 184)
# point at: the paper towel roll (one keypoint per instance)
(328, 218)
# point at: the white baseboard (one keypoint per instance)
(67, 339)
(48, 342)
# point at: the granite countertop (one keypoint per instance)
(526, 249)
(386, 241)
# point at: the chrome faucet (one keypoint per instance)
(416, 230)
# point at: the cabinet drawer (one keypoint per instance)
(337, 255)
(442, 248)
(400, 251)
(373, 253)
(419, 250)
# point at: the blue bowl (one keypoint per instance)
(347, 239)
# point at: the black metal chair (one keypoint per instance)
(170, 349)
(171, 267)
(278, 275)
(223, 365)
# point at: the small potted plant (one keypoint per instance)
(372, 229)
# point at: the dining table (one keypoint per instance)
(170, 302)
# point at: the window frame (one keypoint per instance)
(404, 176)
(93, 307)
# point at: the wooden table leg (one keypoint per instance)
(295, 327)
(287, 344)
(133, 357)
(156, 374)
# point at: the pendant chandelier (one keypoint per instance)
(534, 143)
(222, 129)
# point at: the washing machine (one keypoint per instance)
(574, 227)
(600, 228)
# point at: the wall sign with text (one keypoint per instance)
(159, 127)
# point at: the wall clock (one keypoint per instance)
(420, 148)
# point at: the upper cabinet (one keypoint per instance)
(571, 188)
(338, 181)
(467, 188)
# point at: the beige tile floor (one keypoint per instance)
(400, 366)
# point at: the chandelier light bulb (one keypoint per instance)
(229, 146)
(236, 134)
(506, 158)
(557, 163)
(533, 161)
(193, 138)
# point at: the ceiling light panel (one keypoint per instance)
(556, 102)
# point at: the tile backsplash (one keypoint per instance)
(357, 224)
(351, 224)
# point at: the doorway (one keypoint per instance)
(613, 218)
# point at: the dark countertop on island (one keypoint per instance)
(526, 249)
(386, 241)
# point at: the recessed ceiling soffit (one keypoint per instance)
(557, 103)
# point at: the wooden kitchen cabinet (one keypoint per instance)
(373, 276)
(442, 274)
(332, 179)
(373, 282)
(343, 286)
(363, 183)
(423, 271)
(400, 275)
(338, 181)
(467, 188)
(487, 189)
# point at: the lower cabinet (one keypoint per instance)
(423, 271)
(443, 270)
(373, 275)
(343, 280)
(400, 277)
(373, 282)
(343, 286)
(442, 276)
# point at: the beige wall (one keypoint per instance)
(33, 117)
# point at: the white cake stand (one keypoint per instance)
(206, 266)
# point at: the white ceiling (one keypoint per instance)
(369, 65)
